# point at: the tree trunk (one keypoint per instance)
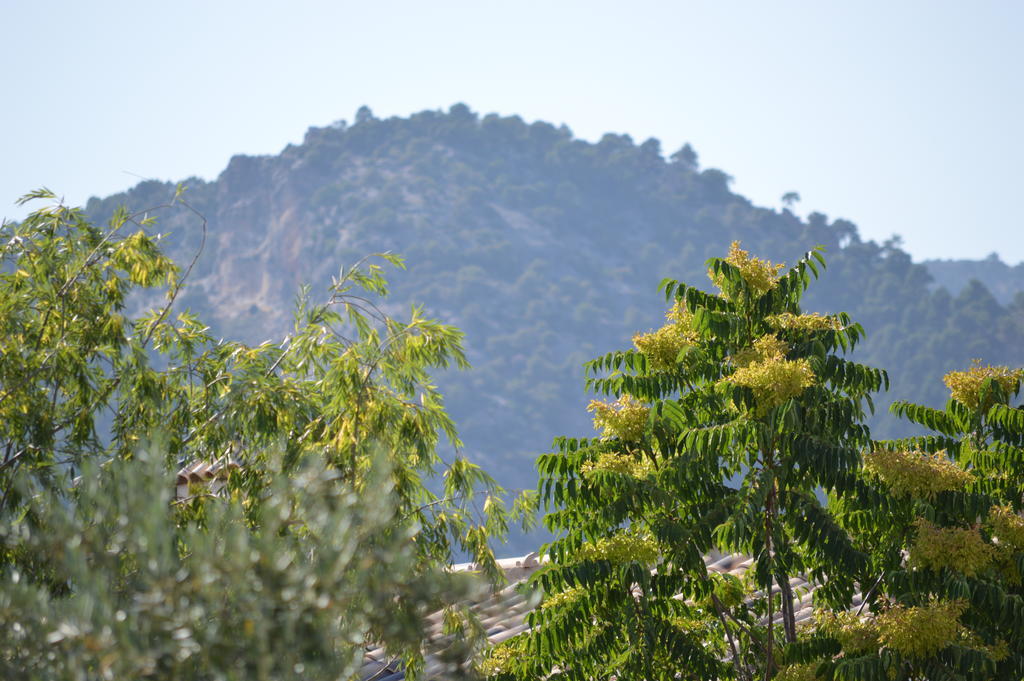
(788, 614)
(769, 513)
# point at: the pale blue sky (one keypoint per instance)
(905, 117)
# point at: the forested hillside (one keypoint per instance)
(546, 250)
(1005, 281)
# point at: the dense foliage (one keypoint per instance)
(738, 426)
(727, 422)
(946, 541)
(542, 247)
(117, 584)
(730, 425)
(344, 405)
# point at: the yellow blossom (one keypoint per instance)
(772, 378)
(624, 464)
(683, 319)
(760, 275)
(855, 634)
(626, 418)
(1007, 526)
(689, 625)
(960, 548)
(662, 346)
(621, 547)
(800, 671)
(923, 630)
(1006, 564)
(919, 474)
(499, 659)
(997, 651)
(804, 322)
(570, 595)
(965, 386)
(766, 348)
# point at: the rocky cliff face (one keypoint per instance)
(545, 249)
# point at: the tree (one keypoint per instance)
(119, 584)
(947, 542)
(84, 384)
(364, 115)
(728, 422)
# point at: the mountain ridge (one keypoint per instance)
(546, 250)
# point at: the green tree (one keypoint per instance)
(112, 585)
(947, 541)
(728, 422)
(84, 383)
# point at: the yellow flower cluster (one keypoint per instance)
(921, 631)
(662, 346)
(760, 275)
(962, 549)
(805, 671)
(804, 322)
(997, 651)
(919, 474)
(1007, 565)
(911, 631)
(965, 386)
(498, 660)
(1007, 526)
(570, 595)
(624, 464)
(621, 547)
(771, 377)
(683, 317)
(689, 625)
(766, 348)
(626, 418)
(855, 633)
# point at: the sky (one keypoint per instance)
(905, 117)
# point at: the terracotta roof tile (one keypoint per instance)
(212, 474)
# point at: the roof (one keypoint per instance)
(210, 474)
(503, 612)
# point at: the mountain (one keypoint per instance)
(547, 251)
(1003, 280)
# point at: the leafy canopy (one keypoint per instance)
(729, 427)
(726, 425)
(87, 382)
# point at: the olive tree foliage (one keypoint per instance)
(113, 586)
(84, 384)
(726, 425)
